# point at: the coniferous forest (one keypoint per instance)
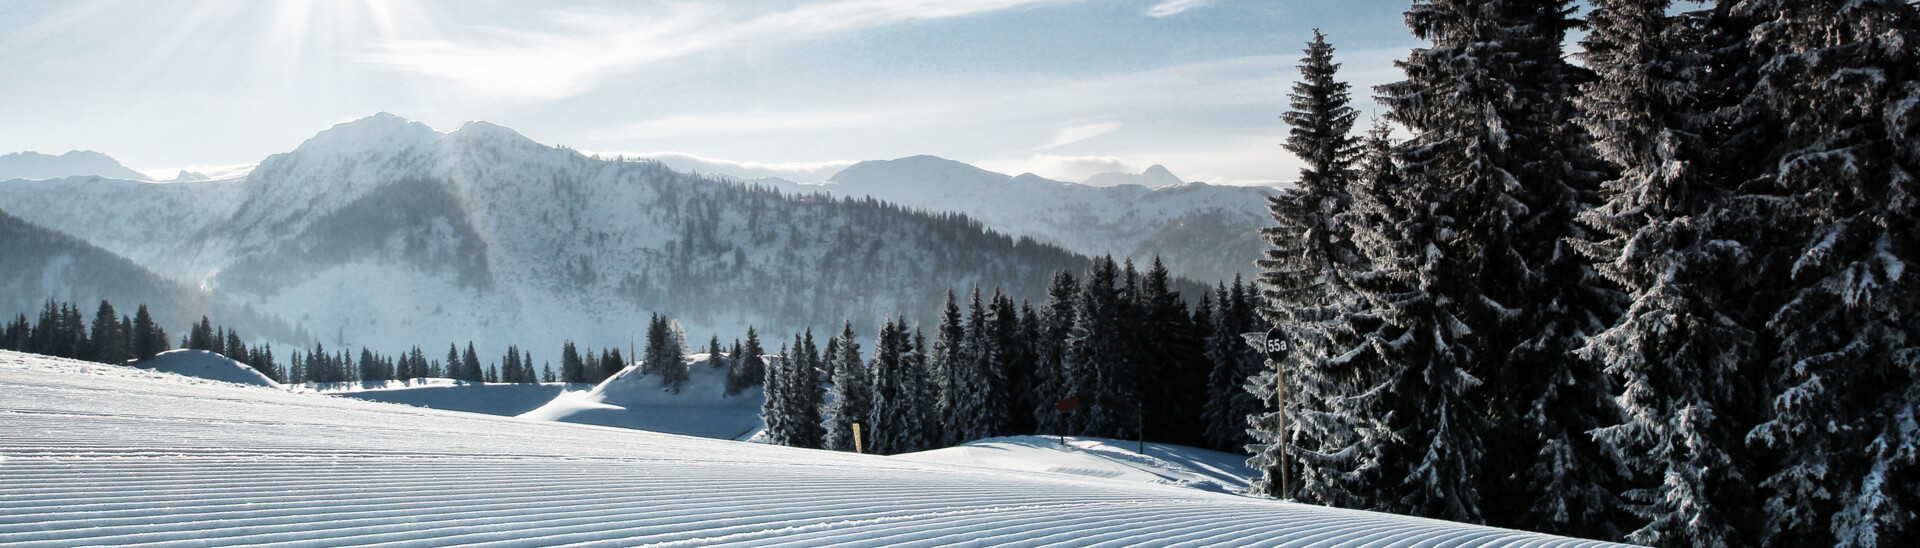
(1652, 291)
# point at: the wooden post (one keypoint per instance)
(1280, 378)
(857, 448)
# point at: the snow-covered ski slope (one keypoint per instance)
(104, 455)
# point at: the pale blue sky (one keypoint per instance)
(1063, 88)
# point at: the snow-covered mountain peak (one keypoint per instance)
(477, 133)
(381, 131)
(1155, 176)
(921, 170)
(34, 165)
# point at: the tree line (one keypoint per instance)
(1113, 353)
(1659, 296)
(62, 330)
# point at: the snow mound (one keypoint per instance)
(100, 455)
(206, 365)
(1101, 458)
(504, 399)
(631, 400)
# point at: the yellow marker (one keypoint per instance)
(856, 439)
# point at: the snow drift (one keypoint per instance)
(206, 365)
(1101, 458)
(631, 400)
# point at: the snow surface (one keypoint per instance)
(630, 400)
(95, 454)
(504, 399)
(206, 365)
(1102, 458)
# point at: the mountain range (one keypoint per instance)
(383, 232)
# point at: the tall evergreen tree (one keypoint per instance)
(1840, 81)
(804, 394)
(109, 343)
(1681, 236)
(979, 391)
(148, 337)
(850, 393)
(572, 369)
(944, 365)
(1053, 382)
(470, 365)
(1173, 367)
(1097, 359)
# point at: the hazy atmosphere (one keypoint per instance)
(1061, 88)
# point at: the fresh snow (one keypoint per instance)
(206, 365)
(1102, 458)
(631, 400)
(95, 454)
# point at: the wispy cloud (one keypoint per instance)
(804, 172)
(1175, 7)
(1072, 169)
(591, 45)
(747, 121)
(1075, 134)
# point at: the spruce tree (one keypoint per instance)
(944, 365)
(774, 409)
(850, 393)
(1841, 83)
(1096, 356)
(1681, 237)
(1173, 367)
(885, 427)
(109, 343)
(470, 365)
(1052, 381)
(804, 394)
(572, 369)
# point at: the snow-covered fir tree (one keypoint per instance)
(774, 409)
(1841, 83)
(804, 393)
(944, 365)
(1235, 363)
(1095, 356)
(851, 392)
(979, 397)
(1305, 280)
(895, 424)
(1684, 239)
(1052, 380)
(1172, 362)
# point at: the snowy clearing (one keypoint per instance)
(94, 454)
(631, 400)
(1101, 458)
(504, 399)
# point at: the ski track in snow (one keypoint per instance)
(93, 454)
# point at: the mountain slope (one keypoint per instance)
(138, 220)
(383, 232)
(102, 455)
(1201, 231)
(34, 165)
(37, 264)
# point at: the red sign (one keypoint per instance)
(1068, 404)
